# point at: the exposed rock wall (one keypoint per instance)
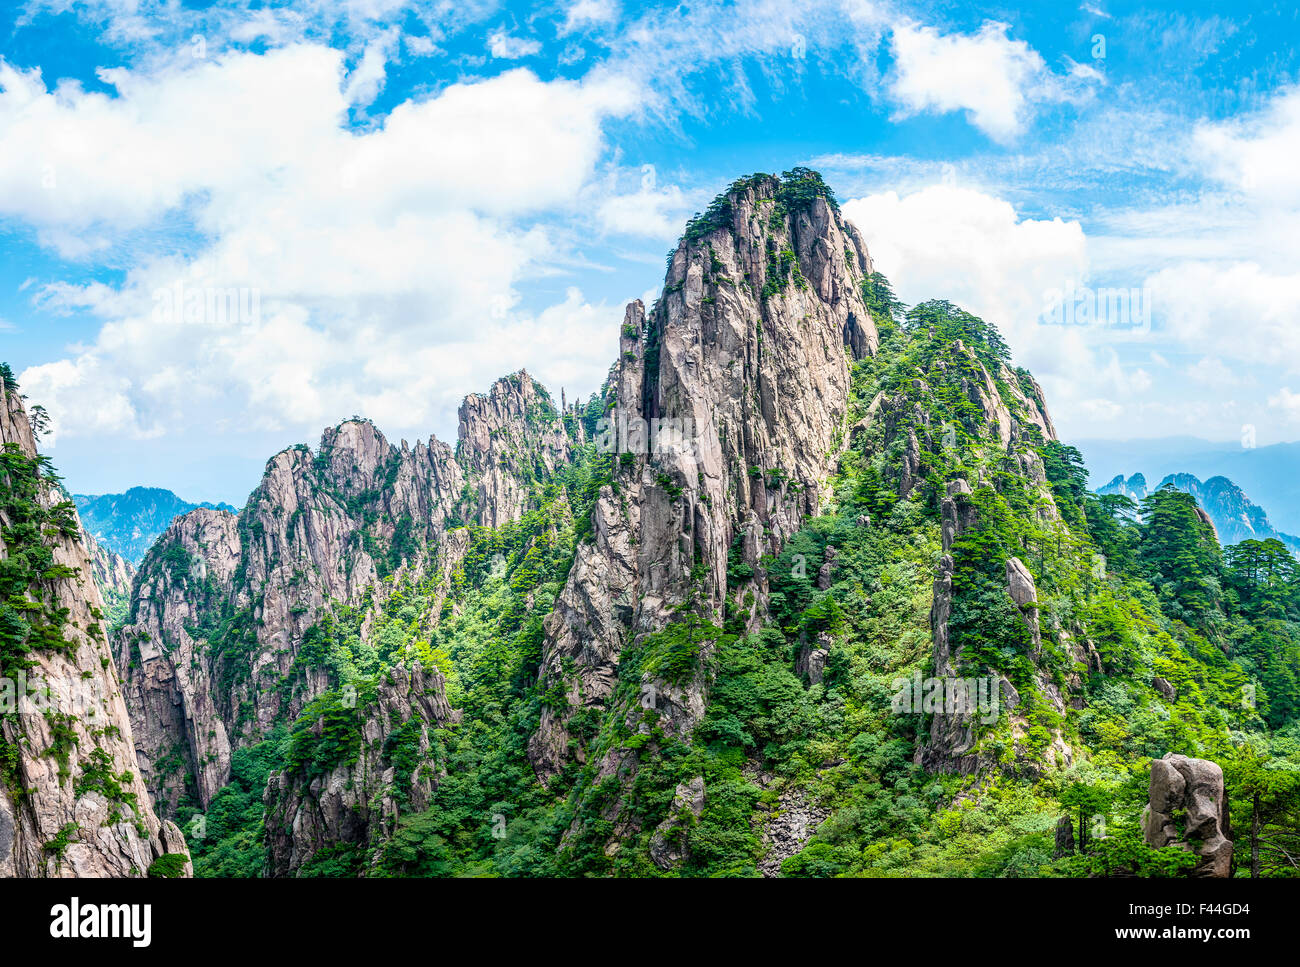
(72, 802)
(746, 356)
(113, 573)
(211, 656)
(358, 803)
(505, 455)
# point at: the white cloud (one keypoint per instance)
(972, 248)
(505, 47)
(419, 46)
(1234, 310)
(368, 77)
(1211, 371)
(1219, 264)
(1257, 155)
(969, 247)
(85, 386)
(987, 74)
(583, 13)
(650, 212)
(1287, 402)
(1100, 410)
(386, 263)
(73, 163)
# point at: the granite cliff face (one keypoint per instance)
(357, 804)
(72, 801)
(213, 655)
(726, 409)
(509, 442)
(113, 573)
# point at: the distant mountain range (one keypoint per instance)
(1271, 474)
(1235, 517)
(129, 523)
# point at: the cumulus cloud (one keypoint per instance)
(972, 248)
(1236, 311)
(993, 78)
(652, 211)
(384, 265)
(1257, 154)
(1286, 402)
(962, 244)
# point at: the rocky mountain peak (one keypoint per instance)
(224, 602)
(510, 440)
(728, 399)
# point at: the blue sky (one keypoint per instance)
(403, 201)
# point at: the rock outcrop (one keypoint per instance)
(735, 388)
(72, 802)
(668, 844)
(509, 442)
(1020, 584)
(357, 804)
(1064, 838)
(212, 656)
(113, 573)
(1189, 808)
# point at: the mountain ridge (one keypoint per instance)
(1236, 518)
(1269, 473)
(129, 522)
(662, 632)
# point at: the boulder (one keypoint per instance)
(1188, 808)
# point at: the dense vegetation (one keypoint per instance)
(1148, 589)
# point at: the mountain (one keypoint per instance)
(239, 622)
(71, 799)
(113, 575)
(1270, 474)
(1134, 488)
(128, 523)
(1234, 516)
(809, 588)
